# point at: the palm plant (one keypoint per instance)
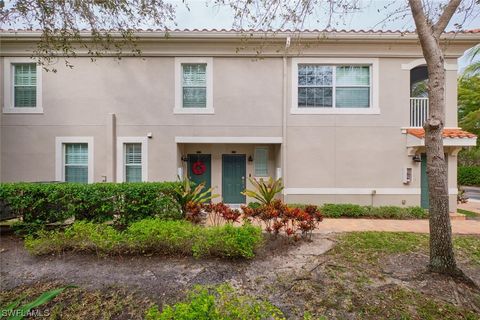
(188, 192)
(265, 191)
(14, 312)
(474, 67)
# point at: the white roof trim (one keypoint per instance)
(276, 140)
(419, 62)
(413, 141)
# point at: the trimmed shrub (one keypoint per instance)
(330, 210)
(42, 203)
(468, 176)
(150, 236)
(221, 302)
(343, 210)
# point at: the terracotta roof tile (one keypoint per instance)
(223, 30)
(447, 133)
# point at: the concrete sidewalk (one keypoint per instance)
(417, 226)
(473, 206)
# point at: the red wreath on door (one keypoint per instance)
(199, 168)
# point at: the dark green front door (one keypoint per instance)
(424, 202)
(197, 174)
(233, 178)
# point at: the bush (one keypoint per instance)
(468, 176)
(221, 302)
(44, 203)
(278, 217)
(330, 210)
(150, 236)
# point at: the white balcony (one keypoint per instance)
(418, 111)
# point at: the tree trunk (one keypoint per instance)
(442, 257)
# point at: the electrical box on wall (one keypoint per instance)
(407, 175)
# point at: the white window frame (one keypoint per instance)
(8, 87)
(255, 159)
(60, 156)
(374, 85)
(121, 141)
(179, 109)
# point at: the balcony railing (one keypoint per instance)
(418, 111)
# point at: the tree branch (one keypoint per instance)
(423, 28)
(444, 19)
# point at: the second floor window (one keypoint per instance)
(25, 85)
(194, 85)
(343, 86)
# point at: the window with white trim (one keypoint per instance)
(344, 86)
(193, 85)
(133, 162)
(261, 162)
(74, 159)
(75, 162)
(22, 86)
(335, 86)
(132, 159)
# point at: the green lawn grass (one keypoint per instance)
(468, 213)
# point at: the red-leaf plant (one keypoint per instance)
(220, 213)
(194, 212)
(277, 217)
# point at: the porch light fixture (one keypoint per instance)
(250, 159)
(416, 158)
(184, 158)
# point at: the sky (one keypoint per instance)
(204, 14)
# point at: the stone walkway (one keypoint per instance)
(417, 226)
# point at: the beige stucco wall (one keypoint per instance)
(323, 151)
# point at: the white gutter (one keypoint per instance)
(283, 146)
(281, 36)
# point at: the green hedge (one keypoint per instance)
(330, 210)
(150, 236)
(468, 176)
(54, 202)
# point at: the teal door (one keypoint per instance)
(233, 178)
(424, 201)
(200, 169)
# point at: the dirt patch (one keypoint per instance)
(161, 278)
(307, 277)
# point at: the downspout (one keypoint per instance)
(284, 118)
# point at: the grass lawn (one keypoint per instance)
(366, 275)
(380, 275)
(469, 214)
